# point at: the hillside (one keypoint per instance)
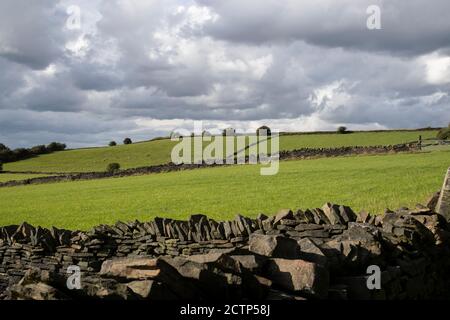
(158, 152)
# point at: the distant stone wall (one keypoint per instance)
(346, 151)
(313, 254)
(303, 153)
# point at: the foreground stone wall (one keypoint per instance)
(443, 203)
(303, 153)
(312, 254)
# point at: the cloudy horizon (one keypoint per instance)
(140, 69)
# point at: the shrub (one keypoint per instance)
(444, 134)
(342, 130)
(1, 167)
(112, 144)
(113, 167)
(127, 141)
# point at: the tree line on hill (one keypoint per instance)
(8, 155)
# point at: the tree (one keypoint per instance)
(6, 156)
(112, 144)
(36, 150)
(56, 146)
(113, 167)
(3, 147)
(342, 130)
(263, 131)
(127, 141)
(21, 153)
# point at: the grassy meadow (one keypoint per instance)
(363, 182)
(158, 152)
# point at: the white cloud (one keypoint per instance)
(438, 68)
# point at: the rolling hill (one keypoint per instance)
(158, 151)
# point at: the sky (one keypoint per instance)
(88, 72)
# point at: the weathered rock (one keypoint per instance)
(219, 276)
(363, 217)
(320, 217)
(273, 246)
(283, 214)
(305, 217)
(299, 276)
(347, 214)
(158, 270)
(355, 248)
(432, 201)
(443, 204)
(35, 291)
(131, 268)
(333, 213)
(309, 251)
(308, 226)
(149, 289)
(268, 223)
(253, 263)
(310, 233)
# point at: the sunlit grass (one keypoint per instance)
(363, 182)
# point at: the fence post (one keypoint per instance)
(420, 142)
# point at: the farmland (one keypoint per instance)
(363, 182)
(158, 152)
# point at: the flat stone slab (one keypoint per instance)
(443, 205)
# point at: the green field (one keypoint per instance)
(158, 152)
(369, 182)
(96, 159)
(4, 177)
(292, 142)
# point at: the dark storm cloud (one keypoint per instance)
(408, 26)
(136, 68)
(30, 32)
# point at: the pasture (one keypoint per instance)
(362, 182)
(158, 152)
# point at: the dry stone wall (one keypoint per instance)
(322, 253)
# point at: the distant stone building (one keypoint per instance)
(229, 132)
(263, 131)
